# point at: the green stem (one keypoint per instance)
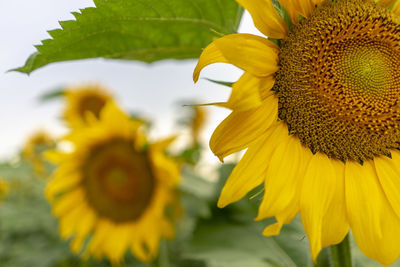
(340, 254)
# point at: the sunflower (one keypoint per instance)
(36, 144)
(318, 109)
(115, 187)
(84, 101)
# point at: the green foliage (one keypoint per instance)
(229, 84)
(28, 232)
(52, 95)
(206, 236)
(145, 30)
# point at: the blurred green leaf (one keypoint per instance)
(223, 243)
(28, 232)
(52, 95)
(146, 30)
(197, 185)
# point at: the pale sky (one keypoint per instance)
(152, 90)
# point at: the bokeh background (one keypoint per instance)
(156, 90)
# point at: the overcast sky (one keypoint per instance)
(152, 90)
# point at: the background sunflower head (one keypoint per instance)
(116, 187)
(83, 102)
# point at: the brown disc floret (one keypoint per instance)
(339, 80)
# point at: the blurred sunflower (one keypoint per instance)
(318, 110)
(34, 147)
(3, 188)
(116, 187)
(84, 101)
(198, 122)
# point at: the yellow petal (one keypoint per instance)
(69, 221)
(251, 53)
(374, 225)
(86, 223)
(396, 8)
(315, 2)
(246, 92)
(335, 224)
(298, 7)
(241, 128)
(317, 194)
(62, 183)
(266, 18)
(68, 201)
(54, 156)
(117, 242)
(166, 169)
(273, 229)
(140, 252)
(265, 86)
(386, 3)
(250, 171)
(283, 178)
(388, 171)
(163, 144)
(95, 246)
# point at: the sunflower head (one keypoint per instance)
(84, 102)
(116, 187)
(318, 110)
(341, 96)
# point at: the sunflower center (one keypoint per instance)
(93, 104)
(118, 181)
(339, 81)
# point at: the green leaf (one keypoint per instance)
(197, 185)
(229, 84)
(145, 30)
(223, 243)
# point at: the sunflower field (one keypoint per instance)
(126, 144)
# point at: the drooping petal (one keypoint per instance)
(374, 225)
(62, 183)
(266, 18)
(240, 128)
(67, 202)
(335, 224)
(117, 243)
(250, 171)
(249, 52)
(388, 171)
(283, 179)
(318, 192)
(283, 176)
(246, 92)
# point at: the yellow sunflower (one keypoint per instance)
(36, 144)
(84, 101)
(318, 109)
(115, 187)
